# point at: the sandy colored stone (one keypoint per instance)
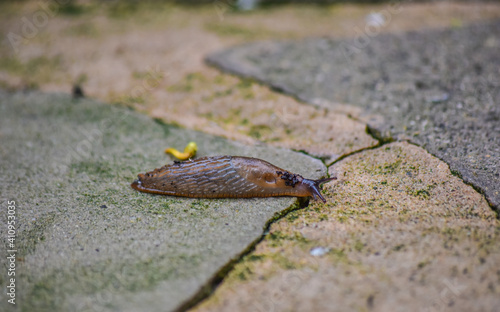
(402, 234)
(249, 112)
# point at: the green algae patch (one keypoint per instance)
(33, 71)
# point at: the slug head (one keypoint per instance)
(314, 187)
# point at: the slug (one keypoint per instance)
(227, 177)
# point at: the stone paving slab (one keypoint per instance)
(438, 88)
(399, 233)
(86, 240)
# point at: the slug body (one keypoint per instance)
(227, 177)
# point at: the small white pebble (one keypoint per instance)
(319, 251)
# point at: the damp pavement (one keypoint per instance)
(399, 229)
(439, 89)
(86, 240)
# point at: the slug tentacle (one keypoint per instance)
(227, 177)
(315, 186)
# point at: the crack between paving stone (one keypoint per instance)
(375, 134)
(344, 156)
(382, 141)
(209, 288)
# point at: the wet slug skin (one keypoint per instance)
(227, 177)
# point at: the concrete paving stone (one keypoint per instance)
(86, 240)
(400, 232)
(438, 88)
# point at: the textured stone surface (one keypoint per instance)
(440, 89)
(86, 240)
(247, 111)
(150, 56)
(399, 233)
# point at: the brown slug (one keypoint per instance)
(227, 177)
